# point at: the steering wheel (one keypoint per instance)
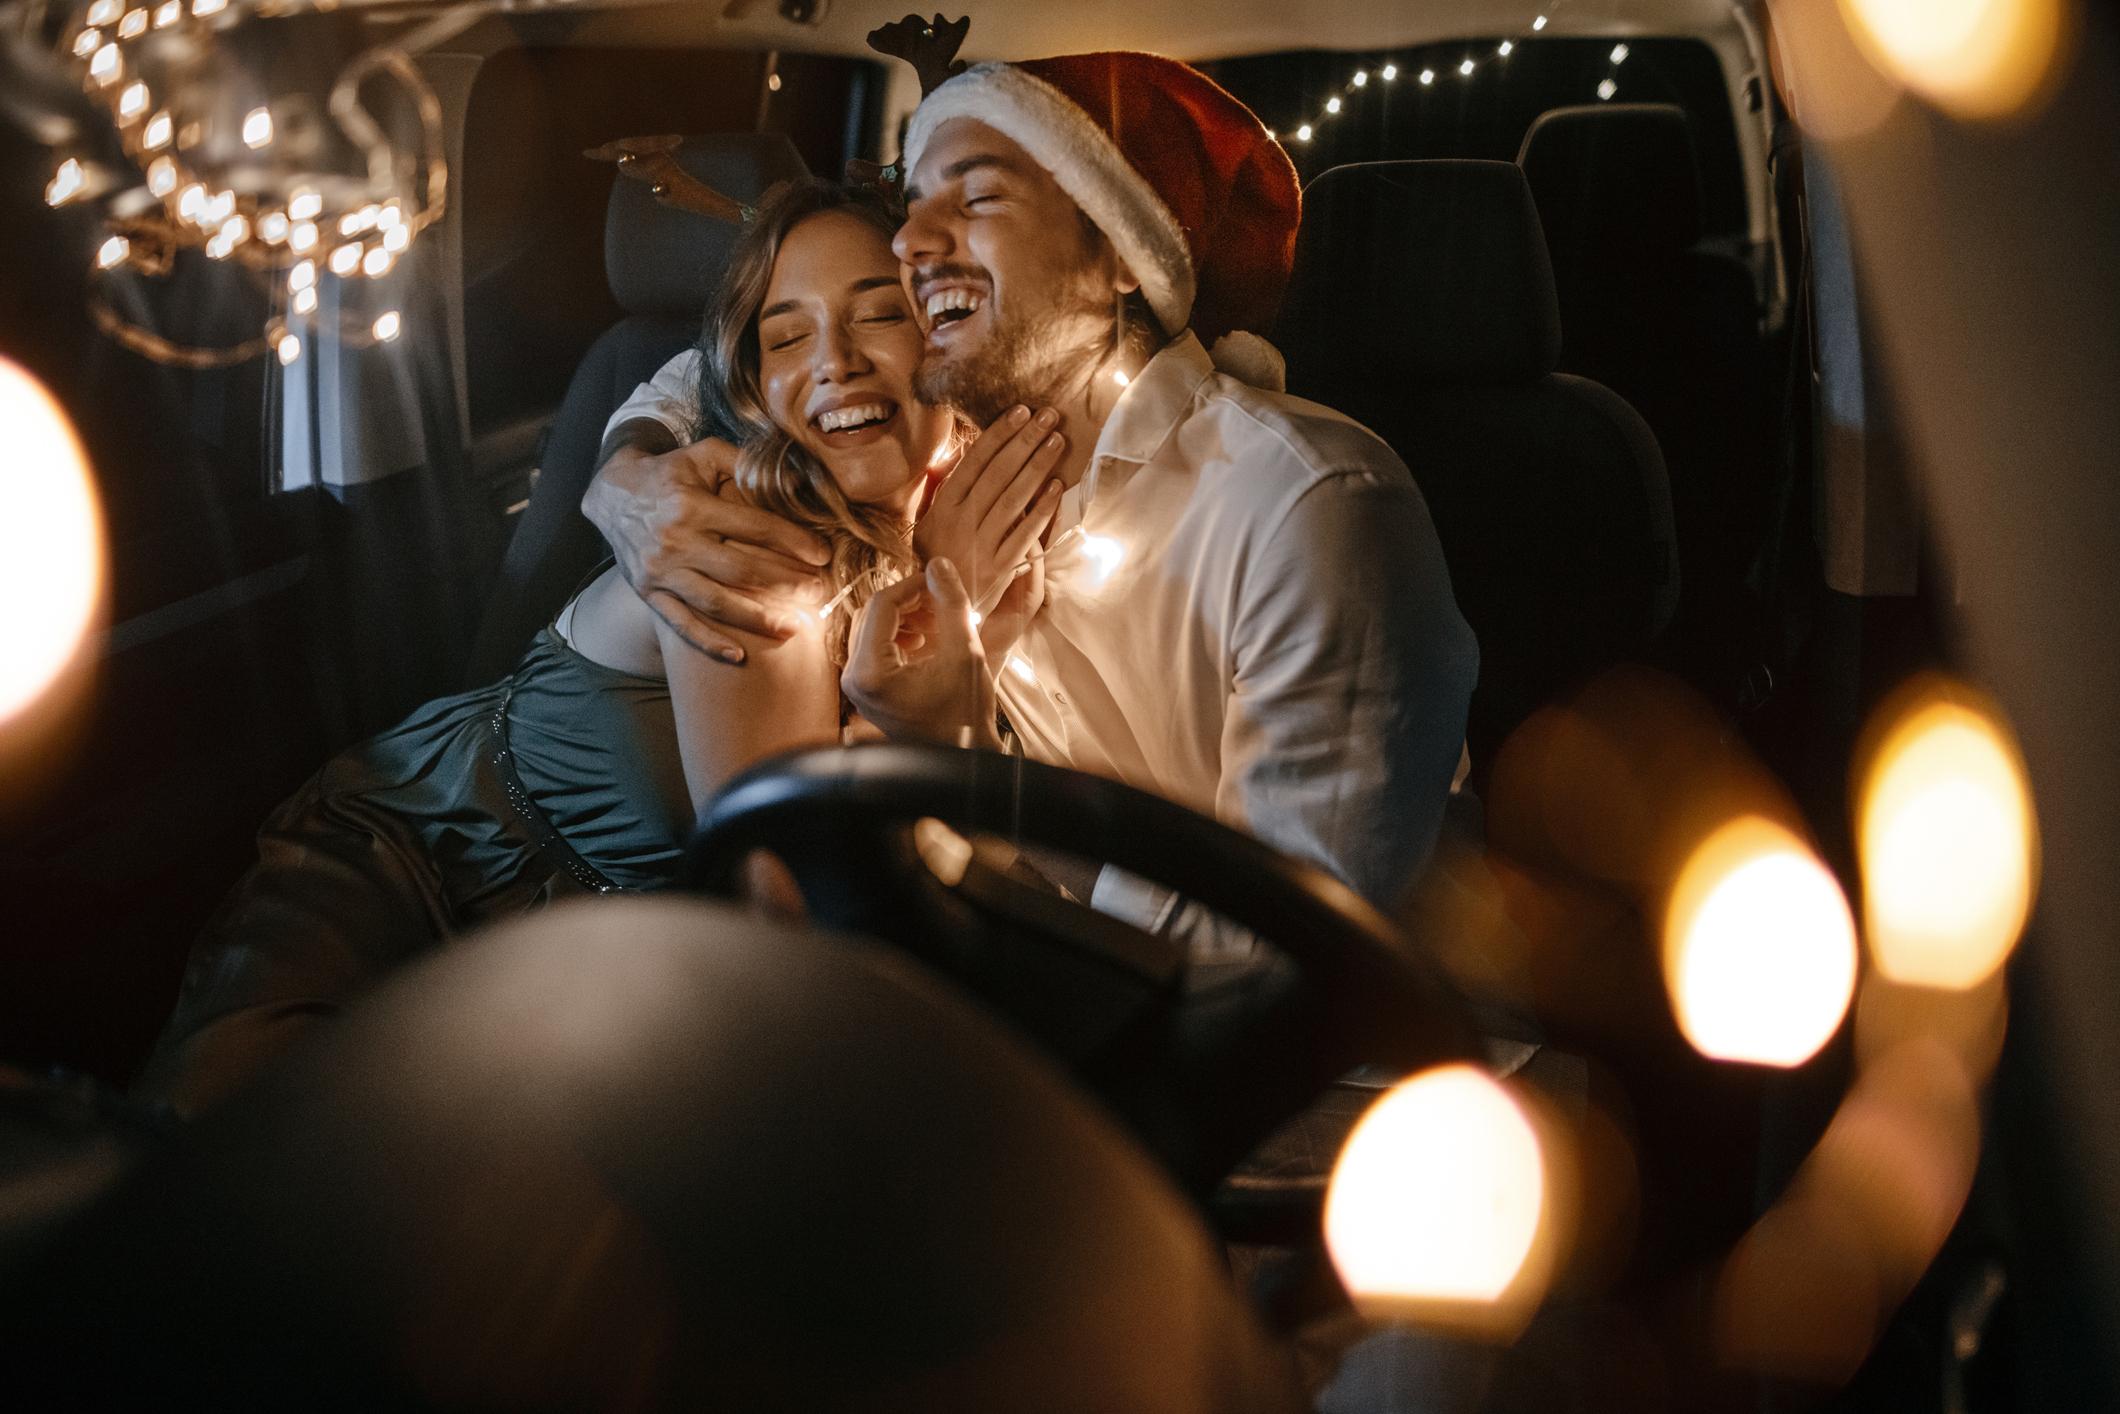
(1202, 1063)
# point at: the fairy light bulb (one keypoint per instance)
(303, 275)
(169, 13)
(1120, 377)
(302, 236)
(1104, 555)
(304, 301)
(191, 202)
(113, 253)
(157, 133)
(346, 259)
(1302, 135)
(161, 176)
(304, 206)
(387, 327)
(257, 128)
(202, 9)
(1606, 89)
(1021, 671)
(1391, 72)
(51, 543)
(1437, 1196)
(1505, 48)
(132, 102)
(1759, 947)
(273, 227)
(376, 263)
(86, 41)
(66, 183)
(1332, 105)
(290, 348)
(1466, 68)
(1427, 76)
(105, 67)
(1619, 53)
(1361, 78)
(1539, 23)
(133, 25)
(104, 11)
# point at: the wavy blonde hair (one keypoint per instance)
(870, 545)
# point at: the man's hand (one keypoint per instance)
(917, 669)
(998, 500)
(702, 560)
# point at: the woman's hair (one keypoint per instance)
(869, 543)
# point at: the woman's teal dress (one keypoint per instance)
(563, 778)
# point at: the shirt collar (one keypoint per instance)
(1142, 420)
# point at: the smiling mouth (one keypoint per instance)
(855, 417)
(947, 307)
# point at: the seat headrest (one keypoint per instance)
(666, 262)
(1430, 269)
(1617, 185)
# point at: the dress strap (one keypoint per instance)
(550, 843)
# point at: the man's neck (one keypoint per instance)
(1087, 406)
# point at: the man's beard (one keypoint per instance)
(1029, 360)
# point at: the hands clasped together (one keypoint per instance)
(921, 658)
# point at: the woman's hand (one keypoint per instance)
(916, 669)
(995, 504)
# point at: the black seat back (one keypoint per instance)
(1422, 305)
(663, 265)
(1669, 325)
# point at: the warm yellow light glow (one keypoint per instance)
(1607, 88)
(1949, 843)
(1103, 554)
(133, 25)
(1021, 671)
(191, 203)
(66, 183)
(105, 67)
(161, 176)
(203, 8)
(219, 208)
(1303, 133)
(376, 263)
(104, 11)
(304, 302)
(1119, 377)
(257, 128)
(1437, 1196)
(389, 217)
(1505, 49)
(1619, 53)
(86, 41)
(1332, 105)
(51, 542)
(1427, 76)
(157, 132)
(1539, 23)
(304, 206)
(1361, 78)
(1391, 71)
(113, 252)
(290, 348)
(773, 82)
(387, 325)
(302, 275)
(169, 13)
(1466, 68)
(302, 236)
(1976, 58)
(1759, 947)
(346, 259)
(272, 227)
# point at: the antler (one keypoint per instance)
(653, 160)
(930, 46)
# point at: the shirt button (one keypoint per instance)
(1061, 698)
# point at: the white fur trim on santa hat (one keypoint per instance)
(1086, 163)
(1248, 358)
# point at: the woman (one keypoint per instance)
(583, 769)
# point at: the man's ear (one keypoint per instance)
(1123, 276)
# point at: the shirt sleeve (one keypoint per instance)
(1344, 727)
(671, 398)
(1352, 670)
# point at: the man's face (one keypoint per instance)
(1019, 295)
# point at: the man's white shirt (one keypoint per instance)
(1247, 612)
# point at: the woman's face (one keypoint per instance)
(837, 346)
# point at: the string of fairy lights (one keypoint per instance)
(293, 230)
(1365, 80)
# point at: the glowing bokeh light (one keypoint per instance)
(1759, 947)
(51, 542)
(1104, 555)
(1949, 844)
(1974, 58)
(1437, 1196)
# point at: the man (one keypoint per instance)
(1246, 610)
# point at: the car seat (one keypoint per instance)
(663, 264)
(1422, 305)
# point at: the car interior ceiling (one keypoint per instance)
(1644, 310)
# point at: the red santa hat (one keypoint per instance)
(1196, 198)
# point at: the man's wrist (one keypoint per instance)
(640, 436)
